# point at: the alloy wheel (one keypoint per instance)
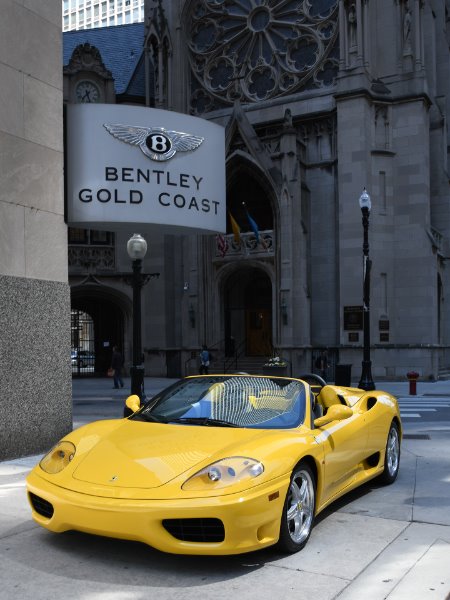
(300, 506)
(393, 451)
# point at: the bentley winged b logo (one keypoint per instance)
(155, 142)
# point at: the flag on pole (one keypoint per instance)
(222, 244)
(254, 227)
(236, 229)
(252, 223)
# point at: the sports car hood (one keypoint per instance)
(148, 455)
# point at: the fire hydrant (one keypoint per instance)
(412, 376)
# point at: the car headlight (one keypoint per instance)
(58, 458)
(225, 472)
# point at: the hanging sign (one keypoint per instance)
(133, 166)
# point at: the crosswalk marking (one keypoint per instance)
(414, 407)
(422, 399)
(406, 408)
(424, 404)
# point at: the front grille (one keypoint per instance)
(41, 506)
(195, 530)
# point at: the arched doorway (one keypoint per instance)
(97, 324)
(82, 342)
(248, 313)
(249, 197)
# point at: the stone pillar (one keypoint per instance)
(35, 381)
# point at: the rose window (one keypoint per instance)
(255, 50)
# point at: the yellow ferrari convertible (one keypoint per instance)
(219, 464)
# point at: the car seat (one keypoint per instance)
(328, 396)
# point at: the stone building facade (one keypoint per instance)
(35, 377)
(320, 100)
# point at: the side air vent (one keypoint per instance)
(373, 460)
(41, 506)
(371, 402)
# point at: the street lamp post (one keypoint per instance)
(137, 248)
(366, 382)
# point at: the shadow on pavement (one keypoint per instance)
(80, 556)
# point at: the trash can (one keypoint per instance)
(343, 375)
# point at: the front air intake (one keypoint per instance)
(41, 506)
(195, 530)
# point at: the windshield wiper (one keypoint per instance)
(143, 416)
(203, 421)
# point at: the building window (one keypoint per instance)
(92, 237)
(104, 238)
(279, 50)
(77, 236)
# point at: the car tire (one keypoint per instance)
(297, 518)
(391, 456)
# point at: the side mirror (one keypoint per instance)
(133, 403)
(336, 412)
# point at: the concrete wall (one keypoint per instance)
(35, 385)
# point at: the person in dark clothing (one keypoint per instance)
(205, 357)
(117, 365)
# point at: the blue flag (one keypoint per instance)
(253, 226)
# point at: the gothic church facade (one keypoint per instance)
(320, 99)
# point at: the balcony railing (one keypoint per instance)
(226, 246)
(83, 258)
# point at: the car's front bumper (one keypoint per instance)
(251, 519)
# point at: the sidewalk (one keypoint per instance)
(424, 388)
(103, 386)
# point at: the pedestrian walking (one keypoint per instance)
(117, 366)
(205, 358)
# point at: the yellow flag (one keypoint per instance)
(236, 229)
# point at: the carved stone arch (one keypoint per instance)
(153, 45)
(103, 292)
(240, 133)
(159, 50)
(382, 126)
(111, 313)
(228, 269)
(247, 315)
(248, 182)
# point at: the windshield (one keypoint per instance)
(233, 401)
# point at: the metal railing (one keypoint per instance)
(248, 246)
(231, 362)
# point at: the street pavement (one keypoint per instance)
(376, 543)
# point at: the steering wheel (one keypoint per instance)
(313, 379)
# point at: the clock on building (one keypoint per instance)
(87, 91)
